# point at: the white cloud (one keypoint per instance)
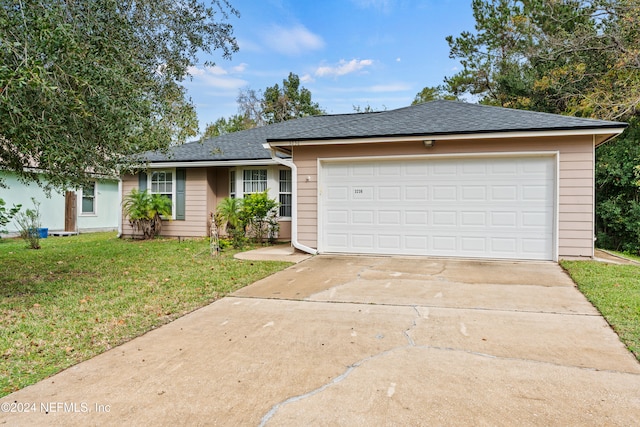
(240, 68)
(398, 59)
(343, 67)
(383, 5)
(292, 41)
(216, 77)
(307, 78)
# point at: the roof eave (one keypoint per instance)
(603, 134)
(206, 163)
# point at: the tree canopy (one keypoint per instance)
(257, 108)
(579, 57)
(291, 101)
(85, 85)
(432, 93)
(575, 57)
(223, 126)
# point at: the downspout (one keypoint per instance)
(120, 207)
(294, 202)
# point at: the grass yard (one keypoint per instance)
(79, 296)
(615, 291)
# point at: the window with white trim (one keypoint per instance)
(232, 184)
(254, 181)
(162, 182)
(284, 195)
(89, 199)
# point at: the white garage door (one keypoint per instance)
(488, 207)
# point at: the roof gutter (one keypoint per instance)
(605, 133)
(294, 202)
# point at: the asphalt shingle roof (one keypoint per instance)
(431, 118)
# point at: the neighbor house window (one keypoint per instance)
(254, 181)
(232, 184)
(162, 183)
(285, 193)
(89, 198)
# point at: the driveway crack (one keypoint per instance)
(274, 409)
(414, 324)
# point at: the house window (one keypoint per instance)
(285, 193)
(89, 198)
(162, 183)
(232, 184)
(254, 181)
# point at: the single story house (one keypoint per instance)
(95, 207)
(443, 178)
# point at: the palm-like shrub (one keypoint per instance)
(229, 211)
(146, 211)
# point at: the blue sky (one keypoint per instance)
(346, 52)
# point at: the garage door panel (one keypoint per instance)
(482, 207)
(473, 192)
(504, 219)
(386, 218)
(473, 219)
(390, 241)
(363, 241)
(389, 193)
(416, 244)
(412, 192)
(444, 192)
(503, 193)
(444, 218)
(338, 193)
(416, 218)
(362, 217)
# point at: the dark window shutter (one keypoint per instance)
(142, 181)
(181, 183)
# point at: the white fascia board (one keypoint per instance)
(207, 163)
(607, 132)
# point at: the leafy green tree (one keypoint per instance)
(432, 93)
(145, 212)
(291, 101)
(223, 126)
(575, 57)
(7, 215)
(85, 85)
(618, 192)
(250, 106)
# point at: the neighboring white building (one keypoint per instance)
(92, 208)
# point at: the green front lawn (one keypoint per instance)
(79, 296)
(615, 291)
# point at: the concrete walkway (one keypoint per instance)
(338, 340)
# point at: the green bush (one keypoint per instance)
(255, 216)
(29, 222)
(7, 215)
(145, 212)
(260, 213)
(618, 192)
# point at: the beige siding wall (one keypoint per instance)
(205, 187)
(575, 217)
(195, 223)
(129, 182)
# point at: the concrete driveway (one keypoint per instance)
(338, 340)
